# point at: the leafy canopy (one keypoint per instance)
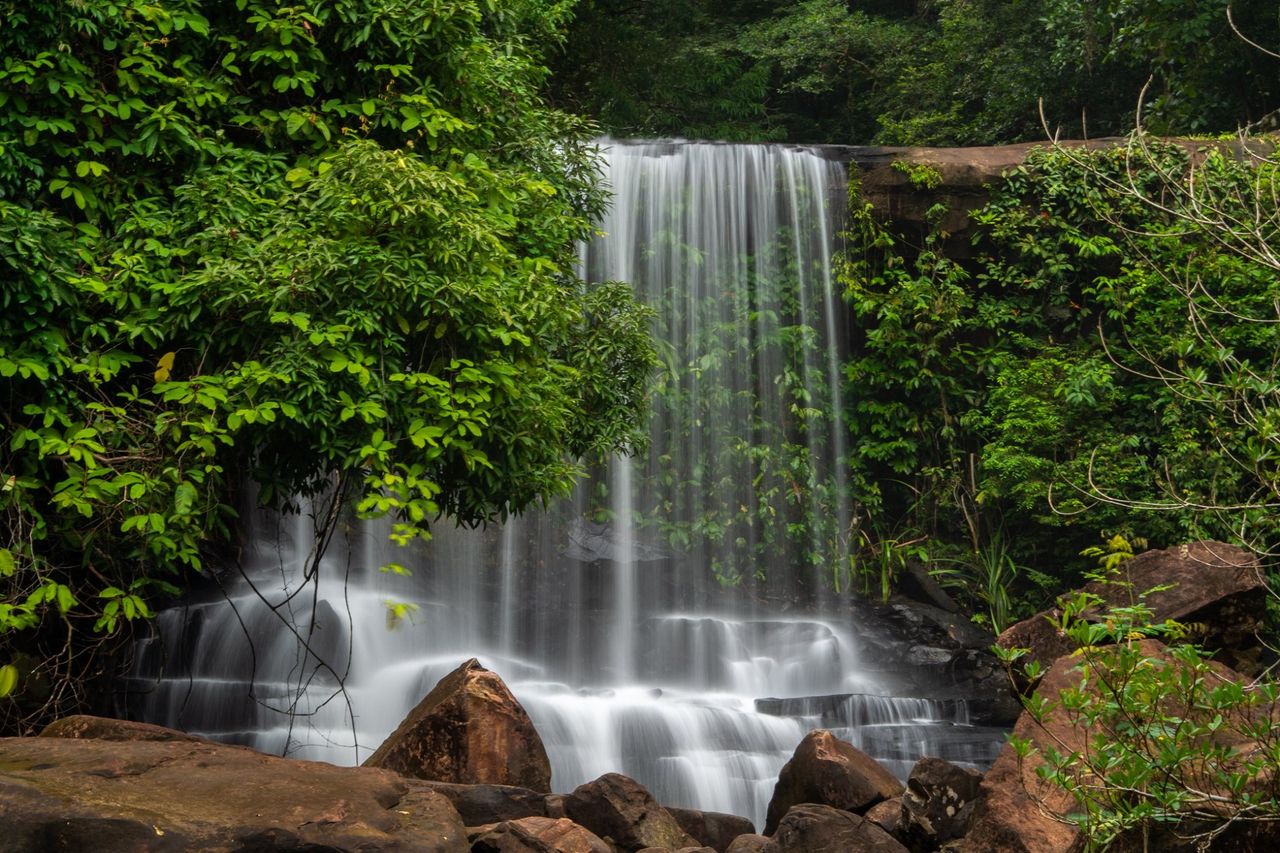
(287, 245)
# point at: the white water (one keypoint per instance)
(604, 615)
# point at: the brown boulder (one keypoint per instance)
(620, 810)
(713, 829)
(485, 804)
(66, 794)
(538, 835)
(811, 828)
(886, 815)
(1019, 812)
(1215, 586)
(105, 728)
(752, 844)
(469, 729)
(831, 772)
(1015, 806)
(938, 805)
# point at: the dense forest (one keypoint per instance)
(328, 248)
(930, 72)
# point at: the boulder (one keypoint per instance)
(938, 804)
(830, 772)
(484, 804)
(620, 810)
(752, 844)
(104, 728)
(811, 828)
(1019, 812)
(75, 794)
(538, 835)
(1015, 806)
(469, 729)
(1217, 588)
(713, 829)
(886, 815)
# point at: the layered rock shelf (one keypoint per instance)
(96, 784)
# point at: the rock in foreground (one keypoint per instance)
(1211, 584)
(713, 829)
(538, 835)
(811, 828)
(938, 805)
(620, 810)
(69, 794)
(469, 729)
(830, 772)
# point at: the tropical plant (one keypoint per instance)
(1154, 743)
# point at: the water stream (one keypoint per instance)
(639, 621)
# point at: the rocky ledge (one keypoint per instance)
(443, 784)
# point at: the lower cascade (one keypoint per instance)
(643, 622)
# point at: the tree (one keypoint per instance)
(254, 248)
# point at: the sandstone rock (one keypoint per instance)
(938, 804)
(886, 815)
(104, 728)
(1014, 805)
(485, 804)
(620, 810)
(469, 729)
(811, 828)
(66, 794)
(538, 835)
(831, 772)
(713, 829)
(752, 844)
(1211, 584)
(1016, 808)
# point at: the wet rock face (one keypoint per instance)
(830, 772)
(178, 794)
(938, 805)
(1217, 587)
(469, 729)
(811, 828)
(621, 811)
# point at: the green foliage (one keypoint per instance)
(1157, 745)
(1098, 364)
(935, 72)
(329, 246)
(1174, 745)
(987, 576)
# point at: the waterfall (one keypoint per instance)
(640, 620)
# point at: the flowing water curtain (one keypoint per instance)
(732, 246)
(629, 655)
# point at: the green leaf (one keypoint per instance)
(183, 498)
(8, 679)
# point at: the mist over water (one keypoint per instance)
(639, 621)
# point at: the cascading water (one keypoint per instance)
(639, 621)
